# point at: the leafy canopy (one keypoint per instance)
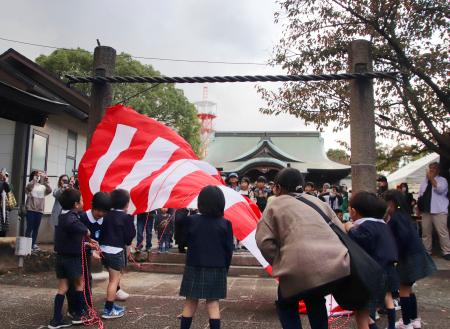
(164, 102)
(410, 36)
(388, 159)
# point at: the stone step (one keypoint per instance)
(239, 258)
(235, 271)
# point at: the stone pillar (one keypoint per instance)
(101, 98)
(362, 119)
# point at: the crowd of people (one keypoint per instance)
(295, 235)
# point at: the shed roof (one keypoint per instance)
(24, 80)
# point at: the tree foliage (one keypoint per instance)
(164, 102)
(409, 36)
(339, 156)
(388, 159)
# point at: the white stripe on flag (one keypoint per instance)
(121, 141)
(250, 243)
(231, 198)
(163, 185)
(156, 156)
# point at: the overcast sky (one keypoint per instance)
(236, 31)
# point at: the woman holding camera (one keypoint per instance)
(63, 183)
(37, 189)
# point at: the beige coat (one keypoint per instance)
(302, 249)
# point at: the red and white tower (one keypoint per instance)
(206, 113)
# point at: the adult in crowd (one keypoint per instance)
(404, 188)
(335, 199)
(63, 183)
(332, 197)
(245, 189)
(261, 193)
(37, 189)
(306, 255)
(233, 181)
(326, 189)
(433, 205)
(382, 186)
(4, 208)
(144, 222)
(310, 188)
(182, 228)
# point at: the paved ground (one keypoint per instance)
(27, 300)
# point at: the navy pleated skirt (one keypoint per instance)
(204, 282)
(415, 267)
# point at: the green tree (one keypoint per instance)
(409, 36)
(388, 158)
(164, 102)
(339, 155)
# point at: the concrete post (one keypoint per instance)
(362, 119)
(101, 98)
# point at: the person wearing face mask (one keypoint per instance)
(37, 189)
(408, 196)
(382, 186)
(334, 199)
(63, 183)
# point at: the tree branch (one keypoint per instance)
(393, 42)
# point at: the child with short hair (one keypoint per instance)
(69, 235)
(116, 235)
(93, 220)
(164, 229)
(370, 231)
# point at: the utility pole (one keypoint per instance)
(362, 119)
(101, 97)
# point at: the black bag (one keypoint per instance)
(420, 203)
(366, 275)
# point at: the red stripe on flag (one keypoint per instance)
(123, 164)
(242, 218)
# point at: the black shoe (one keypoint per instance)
(70, 314)
(59, 324)
(80, 318)
(446, 257)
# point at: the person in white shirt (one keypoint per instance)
(433, 205)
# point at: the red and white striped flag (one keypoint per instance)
(159, 168)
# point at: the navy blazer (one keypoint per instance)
(377, 240)
(117, 229)
(405, 234)
(209, 241)
(69, 234)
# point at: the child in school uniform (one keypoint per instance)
(210, 248)
(414, 262)
(69, 235)
(371, 232)
(93, 220)
(164, 229)
(116, 235)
